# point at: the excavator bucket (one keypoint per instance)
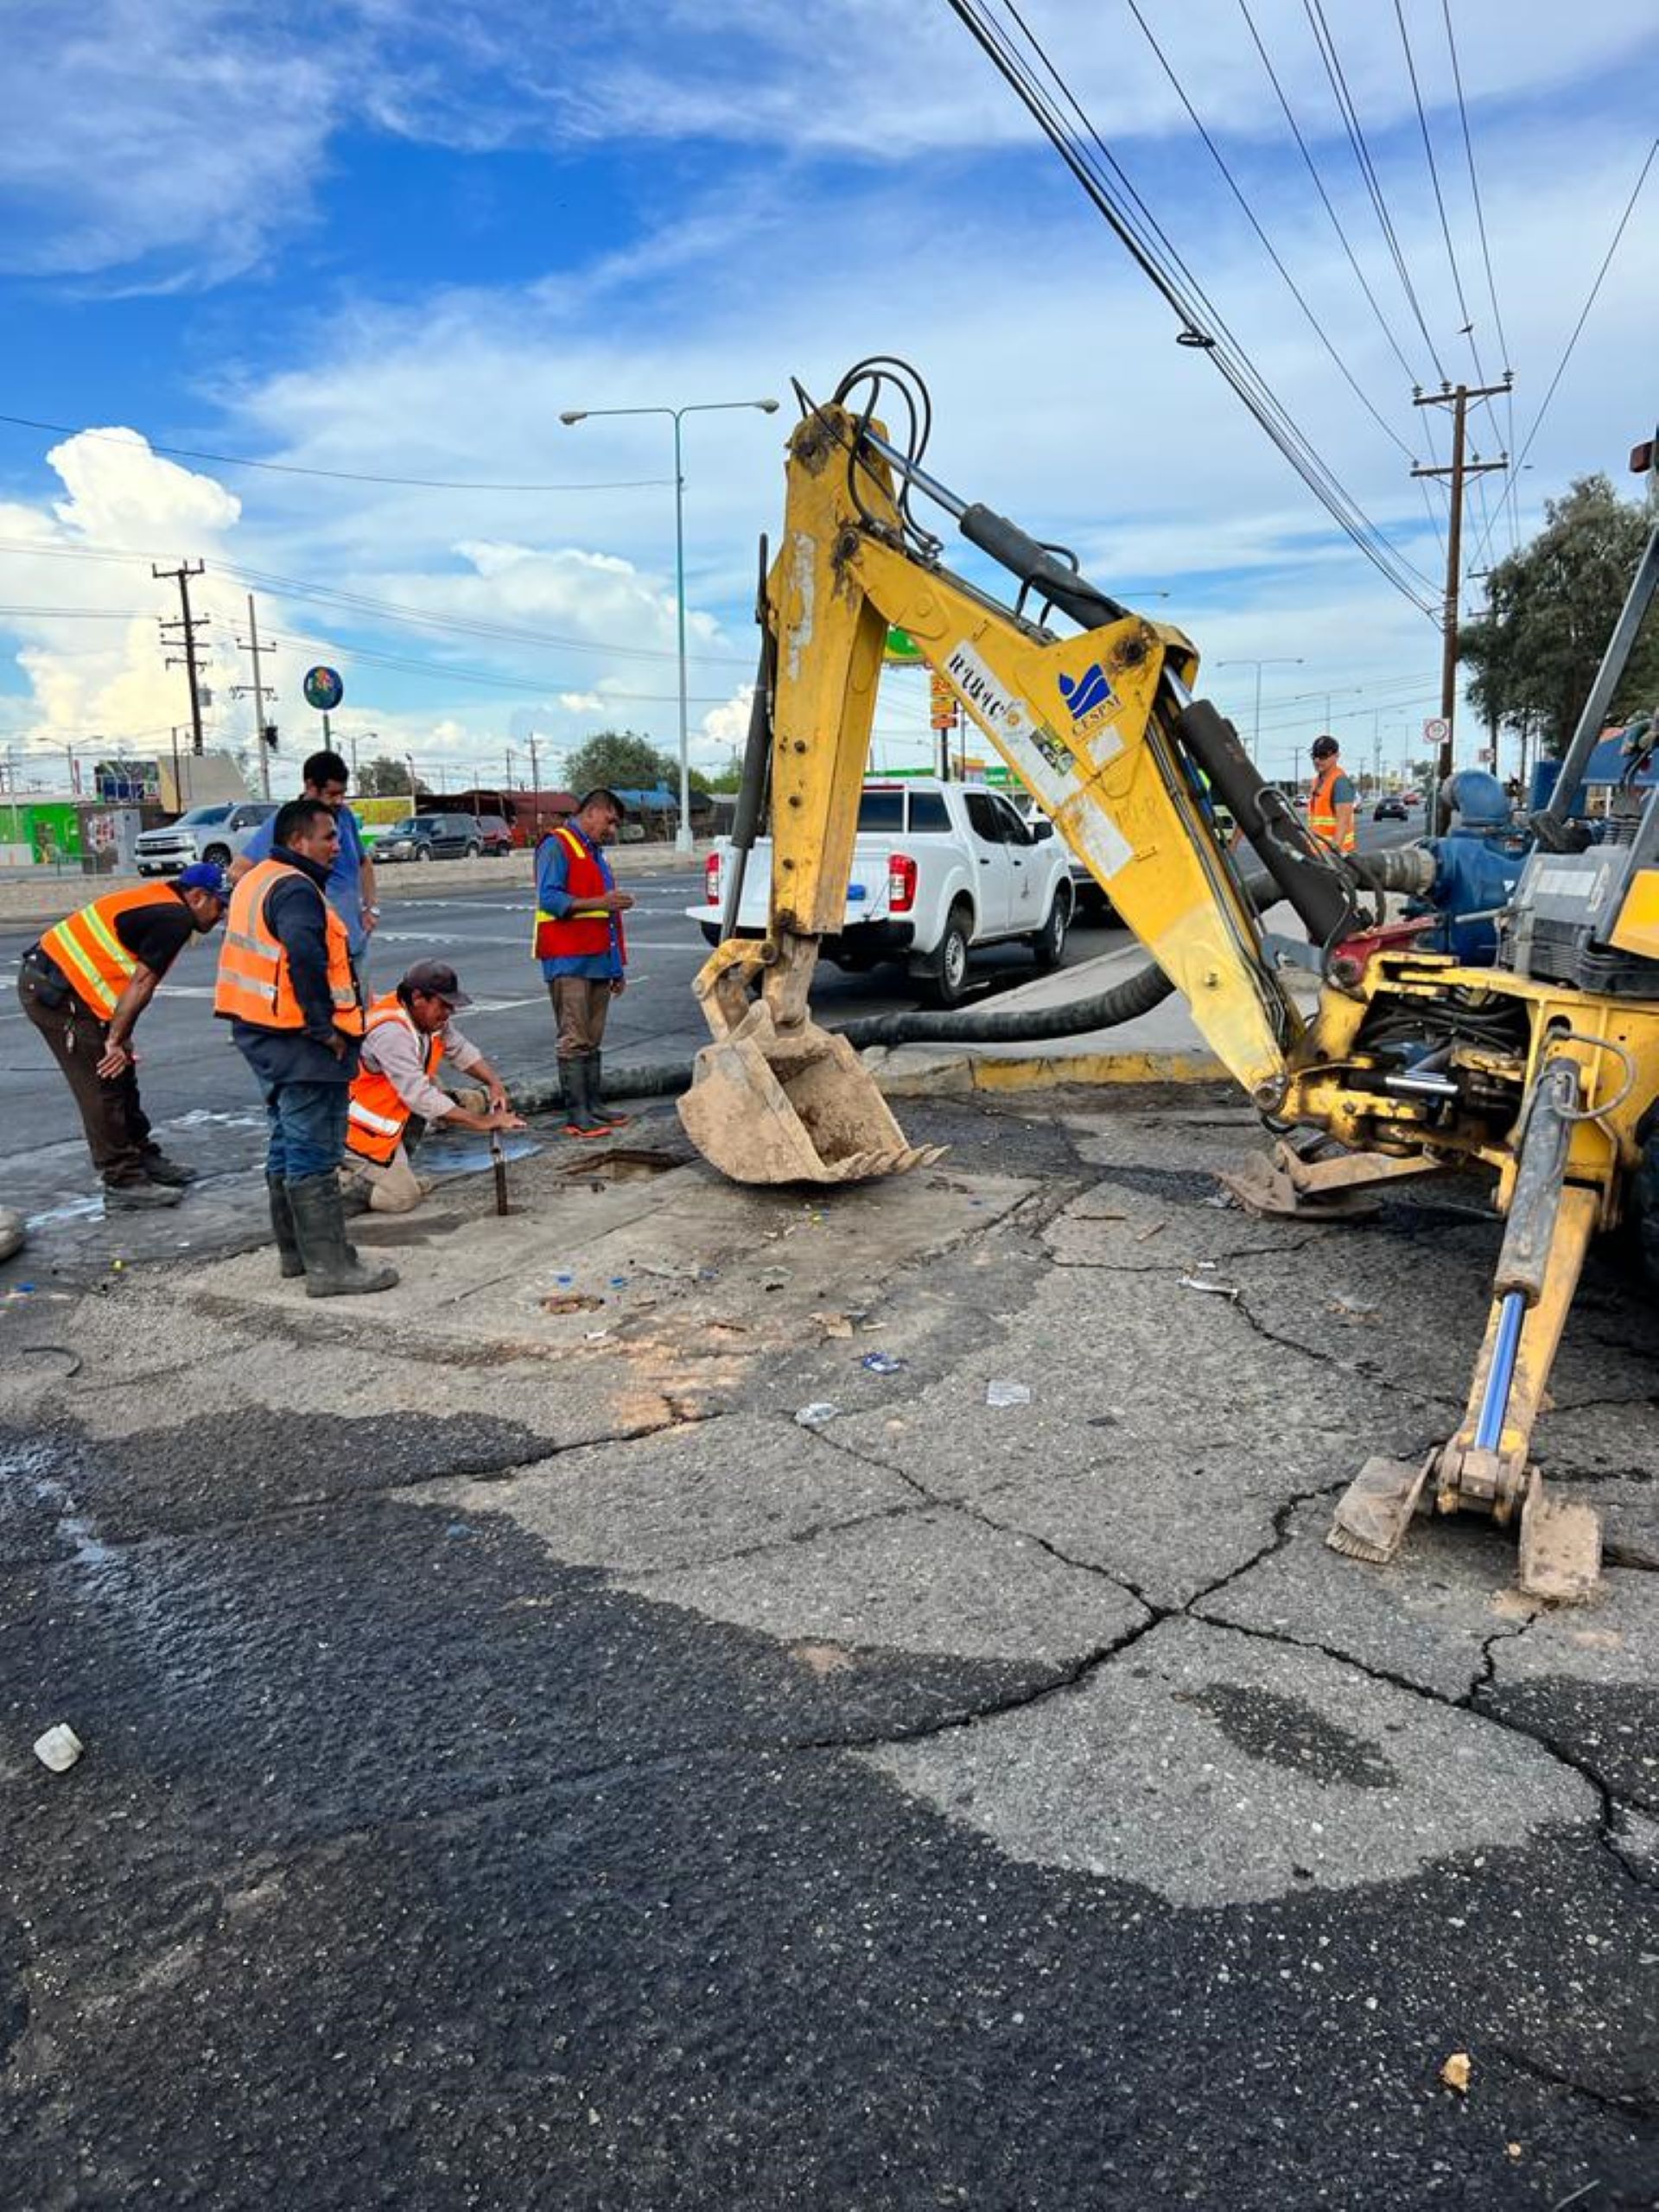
(796, 1108)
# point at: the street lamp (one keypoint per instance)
(1292, 660)
(574, 415)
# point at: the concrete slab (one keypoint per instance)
(697, 1494)
(1216, 1769)
(934, 1582)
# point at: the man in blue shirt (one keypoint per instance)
(580, 943)
(351, 890)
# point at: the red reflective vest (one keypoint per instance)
(255, 983)
(1322, 810)
(377, 1116)
(585, 930)
(95, 963)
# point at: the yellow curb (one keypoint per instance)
(1158, 1064)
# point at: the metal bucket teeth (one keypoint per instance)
(796, 1109)
(1374, 1512)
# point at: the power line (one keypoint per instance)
(1509, 489)
(1349, 115)
(1318, 186)
(334, 475)
(1203, 326)
(1294, 289)
(1630, 209)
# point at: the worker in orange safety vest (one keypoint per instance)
(84, 986)
(580, 941)
(288, 990)
(396, 1096)
(1332, 801)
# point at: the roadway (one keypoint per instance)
(199, 1094)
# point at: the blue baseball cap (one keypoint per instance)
(202, 875)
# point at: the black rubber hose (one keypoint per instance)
(1126, 1002)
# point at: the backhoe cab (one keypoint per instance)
(1540, 1070)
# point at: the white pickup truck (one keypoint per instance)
(937, 869)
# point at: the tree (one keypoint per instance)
(383, 777)
(622, 759)
(1553, 607)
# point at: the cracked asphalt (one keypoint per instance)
(529, 1764)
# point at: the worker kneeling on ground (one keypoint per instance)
(394, 1096)
(84, 987)
(287, 988)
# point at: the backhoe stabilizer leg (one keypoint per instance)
(1375, 1511)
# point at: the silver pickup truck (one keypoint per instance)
(938, 870)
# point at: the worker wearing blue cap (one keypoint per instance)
(84, 987)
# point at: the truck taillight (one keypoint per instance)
(902, 883)
(711, 880)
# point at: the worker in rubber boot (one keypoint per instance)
(287, 988)
(1332, 803)
(84, 986)
(395, 1094)
(580, 943)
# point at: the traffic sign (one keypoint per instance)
(946, 712)
(1436, 730)
(323, 690)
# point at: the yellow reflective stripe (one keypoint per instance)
(261, 948)
(97, 927)
(344, 996)
(93, 985)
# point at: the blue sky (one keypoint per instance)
(361, 239)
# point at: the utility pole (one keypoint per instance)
(256, 690)
(188, 626)
(535, 794)
(1457, 397)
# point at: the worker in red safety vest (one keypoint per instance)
(396, 1096)
(1332, 801)
(580, 943)
(84, 987)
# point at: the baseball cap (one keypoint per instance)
(434, 980)
(1323, 747)
(202, 875)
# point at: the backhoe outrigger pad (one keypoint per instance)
(799, 1107)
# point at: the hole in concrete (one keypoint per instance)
(627, 1164)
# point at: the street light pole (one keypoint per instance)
(1293, 661)
(571, 415)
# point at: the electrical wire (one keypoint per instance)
(1203, 326)
(334, 475)
(1349, 115)
(1294, 289)
(1510, 489)
(1584, 315)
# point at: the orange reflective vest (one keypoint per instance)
(377, 1116)
(583, 930)
(1322, 810)
(86, 946)
(254, 981)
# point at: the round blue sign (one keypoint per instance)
(323, 688)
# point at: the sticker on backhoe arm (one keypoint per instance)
(984, 695)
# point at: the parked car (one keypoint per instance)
(431, 837)
(1388, 809)
(205, 833)
(495, 833)
(937, 869)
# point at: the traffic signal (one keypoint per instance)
(269, 733)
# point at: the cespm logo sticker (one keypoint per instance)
(1089, 697)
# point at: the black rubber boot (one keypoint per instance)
(281, 1225)
(602, 1112)
(579, 1119)
(332, 1267)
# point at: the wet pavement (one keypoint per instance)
(705, 1697)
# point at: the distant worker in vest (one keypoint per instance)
(350, 877)
(1332, 801)
(583, 952)
(84, 987)
(395, 1098)
(287, 986)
